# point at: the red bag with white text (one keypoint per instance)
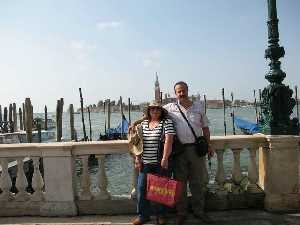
(163, 190)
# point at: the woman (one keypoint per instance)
(155, 128)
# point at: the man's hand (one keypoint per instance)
(164, 163)
(211, 152)
(131, 129)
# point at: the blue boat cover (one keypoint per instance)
(113, 132)
(249, 127)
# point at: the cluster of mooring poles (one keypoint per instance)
(258, 107)
(107, 123)
(12, 121)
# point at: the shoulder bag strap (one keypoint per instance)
(160, 144)
(190, 126)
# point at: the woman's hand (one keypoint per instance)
(164, 163)
(138, 163)
(167, 151)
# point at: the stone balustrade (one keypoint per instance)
(58, 188)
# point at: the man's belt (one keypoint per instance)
(188, 144)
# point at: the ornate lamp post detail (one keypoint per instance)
(277, 102)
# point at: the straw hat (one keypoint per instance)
(155, 104)
(135, 140)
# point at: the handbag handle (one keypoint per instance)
(190, 126)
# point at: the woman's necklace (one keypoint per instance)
(153, 124)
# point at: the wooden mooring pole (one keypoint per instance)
(39, 130)
(29, 119)
(5, 126)
(24, 116)
(10, 112)
(104, 110)
(260, 110)
(297, 103)
(59, 113)
(255, 105)
(15, 122)
(46, 118)
(72, 128)
(90, 123)
(108, 114)
(129, 111)
(232, 114)
(21, 119)
(121, 112)
(10, 118)
(224, 111)
(85, 138)
(0, 113)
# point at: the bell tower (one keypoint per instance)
(157, 89)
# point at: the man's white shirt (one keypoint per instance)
(196, 117)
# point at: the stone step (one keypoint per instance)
(228, 217)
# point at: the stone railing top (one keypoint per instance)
(238, 141)
(282, 137)
(121, 146)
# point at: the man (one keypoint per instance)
(189, 167)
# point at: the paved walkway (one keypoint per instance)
(232, 217)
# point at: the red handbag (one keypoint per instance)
(163, 190)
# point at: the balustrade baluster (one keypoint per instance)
(236, 171)
(5, 181)
(102, 179)
(252, 172)
(77, 168)
(37, 181)
(21, 182)
(85, 180)
(220, 175)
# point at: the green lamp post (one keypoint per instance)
(277, 102)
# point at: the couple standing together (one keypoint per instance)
(166, 122)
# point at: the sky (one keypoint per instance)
(110, 48)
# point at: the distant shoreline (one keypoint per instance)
(140, 110)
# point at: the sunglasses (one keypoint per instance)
(155, 109)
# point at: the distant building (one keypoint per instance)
(157, 90)
(168, 99)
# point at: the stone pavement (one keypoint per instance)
(231, 217)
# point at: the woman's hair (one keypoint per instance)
(163, 113)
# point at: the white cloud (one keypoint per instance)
(81, 45)
(82, 51)
(108, 25)
(152, 59)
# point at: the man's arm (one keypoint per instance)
(206, 134)
(130, 128)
